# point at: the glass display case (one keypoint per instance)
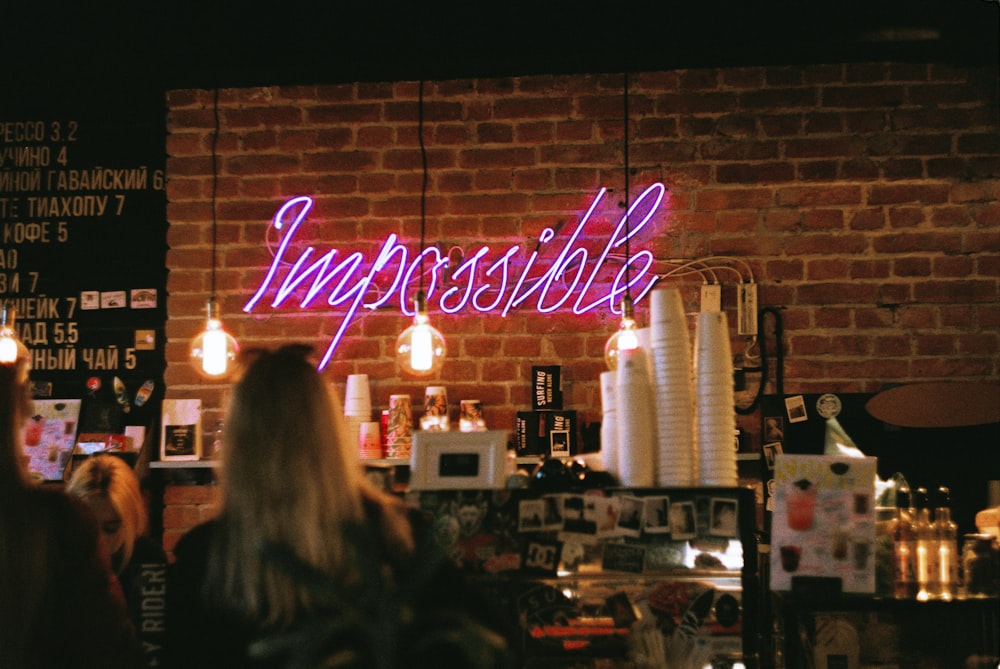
(618, 577)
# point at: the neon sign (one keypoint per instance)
(478, 282)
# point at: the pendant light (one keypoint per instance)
(626, 337)
(213, 352)
(11, 348)
(420, 349)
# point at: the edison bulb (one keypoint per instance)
(626, 338)
(420, 348)
(213, 352)
(11, 348)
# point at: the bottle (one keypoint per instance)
(979, 566)
(904, 548)
(217, 440)
(926, 535)
(947, 548)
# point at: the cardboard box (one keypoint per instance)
(546, 393)
(552, 433)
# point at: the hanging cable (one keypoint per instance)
(779, 349)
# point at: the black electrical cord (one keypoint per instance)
(779, 350)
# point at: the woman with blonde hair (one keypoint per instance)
(111, 489)
(60, 605)
(305, 556)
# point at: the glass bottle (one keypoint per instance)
(947, 549)
(926, 535)
(904, 548)
(979, 566)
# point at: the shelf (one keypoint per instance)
(184, 464)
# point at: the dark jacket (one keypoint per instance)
(434, 619)
(144, 584)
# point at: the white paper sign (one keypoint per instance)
(824, 520)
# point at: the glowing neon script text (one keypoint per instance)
(345, 282)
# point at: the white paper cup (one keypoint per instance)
(370, 440)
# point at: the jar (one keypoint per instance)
(978, 566)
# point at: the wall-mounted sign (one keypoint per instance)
(561, 273)
(83, 230)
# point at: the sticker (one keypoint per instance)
(145, 340)
(113, 299)
(796, 408)
(143, 298)
(90, 299)
(144, 392)
(121, 395)
(828, 405)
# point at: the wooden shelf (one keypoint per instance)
(184, 464)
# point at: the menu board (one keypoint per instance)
(83, 261)
(824, 520)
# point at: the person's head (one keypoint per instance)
(290, 475)
(15, 408)
(110, 488)
(284, 433)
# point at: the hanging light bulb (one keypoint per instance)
(420, 348)
(213, 352)
(626, 338)
(11, 348)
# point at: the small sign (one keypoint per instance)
(824, 520)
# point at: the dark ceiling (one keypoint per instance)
(205, 43)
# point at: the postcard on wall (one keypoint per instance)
(824, 520)
(49, 436)
(180, 435)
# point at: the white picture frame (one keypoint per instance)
(458, 460)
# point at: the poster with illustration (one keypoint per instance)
(824, 520)
(48, 437)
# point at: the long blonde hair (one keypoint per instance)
(291, 477)
(110, 477)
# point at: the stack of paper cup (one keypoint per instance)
(670, 350)
(714, 401)
(636, 428)
(609, 422)
(357, 406)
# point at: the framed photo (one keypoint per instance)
(180, 434)
(458, 460)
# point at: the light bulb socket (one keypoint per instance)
(420, 302)
(628, 308)
(7, 315)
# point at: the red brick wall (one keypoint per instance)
(865, 198)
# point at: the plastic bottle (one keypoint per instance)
(929, 585)
(947, 549)
(904, 548)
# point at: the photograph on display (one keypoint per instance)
(683, 524)
(723, 521)
(656, 514)
(630, 516)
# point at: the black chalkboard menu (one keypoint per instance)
(83, 230)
